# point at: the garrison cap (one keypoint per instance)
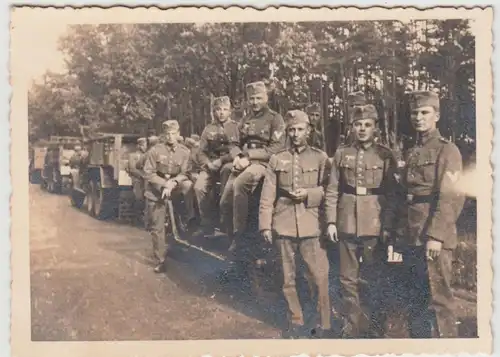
(356, 98)
(141, 141)
(195, 137)
(313, 108)
(170, 125)
(78, 147)
(256, 88)
(424, 99)
(293, 117)
(222, 102)
(153, 139)
(191, 143)
(364, 112)
(180, 139)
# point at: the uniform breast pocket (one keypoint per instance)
(348, 171)
(264, 133)
(284, 173)
(310, 176)
(426, 166)
(375, 174)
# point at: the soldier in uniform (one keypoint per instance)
(261, 134)
(316, 138)
(354, 99)
(218, 147)
(360, 213)
(151, 140)
(428, 228)
(291, 196)
(137, 175)
(165, 169)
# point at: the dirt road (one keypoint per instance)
(93, 280)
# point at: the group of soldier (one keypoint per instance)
(376, 208)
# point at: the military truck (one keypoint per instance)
(101, 186)
(56, 173)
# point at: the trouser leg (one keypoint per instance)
(156, 214)
(186, 189)
(226, 206)
(287, 250)
(316, 260)
(244, 185)
(349, 274)
(202, 189)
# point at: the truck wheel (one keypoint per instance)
(77, 198)
(89, 199)
(103, 201)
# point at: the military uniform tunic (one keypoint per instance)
(430, 210)
(297, 225)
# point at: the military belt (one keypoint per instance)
(362, 191)
(413, 199)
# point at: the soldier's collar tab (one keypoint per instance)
(424, 138)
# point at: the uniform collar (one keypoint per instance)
(261, 112)
(299, 150)
(423, 138)
(171, 147)
(364, 146)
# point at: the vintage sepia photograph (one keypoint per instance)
(243, 182)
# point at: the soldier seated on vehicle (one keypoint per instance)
(261, 134)
(218, 148)
(166, 170)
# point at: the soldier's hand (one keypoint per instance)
(244, 163)
(433, 248)
(236, 163)
(211, 167)
(216, 164)
(268, 236)
(299, 194)
(332, 233)
(167, 190)
(392, 256)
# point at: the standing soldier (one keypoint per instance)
(137, 176)
(429, 230)
(291, 196)
(359, 205)
(218, 148)
(165, 170)
(316, 138)
(152, 140)
(261, 135)
(354, 99)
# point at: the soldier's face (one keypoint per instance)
(142, 146)
(314, 118)
(222, 113)
(424, 119)
(364, 130)
(171, 136)
(258, 101)
(298, 133)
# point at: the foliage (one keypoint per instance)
(133, 77)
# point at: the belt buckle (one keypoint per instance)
(252, 146)
(361, 191)
(409, 198)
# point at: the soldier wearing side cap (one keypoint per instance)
(291, 196)
(261, 134)
(166, 169)
(427, 230)
(316, 138)
(360, 212)
(219, 146)
(137, 176)
(354, 99)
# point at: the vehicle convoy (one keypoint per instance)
(100, 183)
(56, 173)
